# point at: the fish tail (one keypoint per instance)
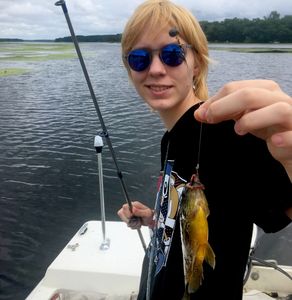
(196, 277)
(186, 296)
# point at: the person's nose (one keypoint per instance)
(156, 66)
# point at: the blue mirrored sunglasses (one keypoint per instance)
(171, 55)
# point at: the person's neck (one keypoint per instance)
(170, 117)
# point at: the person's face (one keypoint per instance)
(166, 89)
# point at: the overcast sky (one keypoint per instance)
(41, 19)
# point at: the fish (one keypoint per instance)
(196, 249)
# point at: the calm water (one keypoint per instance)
(48, 166)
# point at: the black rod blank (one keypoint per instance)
(105, 132)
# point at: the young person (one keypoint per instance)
(239, 141)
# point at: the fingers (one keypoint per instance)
(234, 86)
(231, 87)
(140, 215)
(124, 213)
(258, 107)
(280, 146)
(238, 98)
(234, 105)
(277, 117)
(135, 223)
(283, 139)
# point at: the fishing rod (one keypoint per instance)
(104, 129)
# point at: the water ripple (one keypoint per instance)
(48, 164)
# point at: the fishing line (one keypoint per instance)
(199, 147)
(104, 129)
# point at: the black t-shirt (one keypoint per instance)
(243, 185)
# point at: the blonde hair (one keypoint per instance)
(153, 14)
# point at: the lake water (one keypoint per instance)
(48, 165)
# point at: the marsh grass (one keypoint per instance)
(12, 71)
(39, 57)
(253, 50)
(30, 52)
(35, 51)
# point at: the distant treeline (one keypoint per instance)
(270, 29)
(109, 38)
(11, 40)
(21, 40)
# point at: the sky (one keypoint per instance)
(41, 19)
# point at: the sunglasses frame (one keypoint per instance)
(149, 55)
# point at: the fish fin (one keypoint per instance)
(210, 256)
(196, 278)
(186, 295)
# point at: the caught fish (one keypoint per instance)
(194, 233)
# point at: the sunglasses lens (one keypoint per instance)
(172, 55)
(139, 60)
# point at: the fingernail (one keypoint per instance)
(209, 118)
(238, 130)
(202, 112)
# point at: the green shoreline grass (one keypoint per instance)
(36, 52)
(252, 50)
(27, 52)
(12, 71)
(43, 57)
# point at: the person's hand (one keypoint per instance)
(140, 215)
(258, 107)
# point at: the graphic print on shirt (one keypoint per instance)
(169, 199)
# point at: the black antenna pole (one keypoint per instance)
(105, 133)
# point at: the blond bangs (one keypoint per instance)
(155, 16)
(147, 16)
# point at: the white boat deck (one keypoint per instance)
(82, 267)
(83, 271)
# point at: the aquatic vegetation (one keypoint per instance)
(35, 51)
(40, 57)
(252, 49)
(21, 47)
(12, 71)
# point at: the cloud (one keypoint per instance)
(221, 9)
(34, 19)
(26, 19)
